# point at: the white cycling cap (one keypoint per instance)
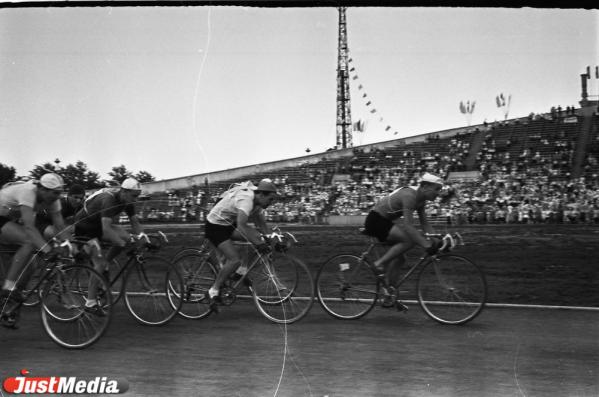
(266, 185)
(428, 177)
(131, 184)
(52, 181)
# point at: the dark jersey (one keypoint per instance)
(102, 204)
(68, 211)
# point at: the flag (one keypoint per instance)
(368, 103)
(388, 128)
(462, 108)
(588, 72)
(360, 87)
(472, 108)
(373, 111)
(355, 77)
(597, 72)
(497, 101)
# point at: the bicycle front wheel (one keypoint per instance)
(346, 287)
(64, 316)
(452, 289)
(147, 287)
(282, 287)
(198, 275)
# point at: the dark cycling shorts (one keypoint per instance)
(218, 233)
(377, 226)
(3, 221)
(88, 231)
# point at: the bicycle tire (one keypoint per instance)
(198, 275)
(147, 286)
(452, 289)
(282, 287)
(63, 295)
(346, 287)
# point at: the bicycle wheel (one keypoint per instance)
(63, 295)
(147, 286)
(346, 287)
(452, 289)
(198, 275)
(282, 287)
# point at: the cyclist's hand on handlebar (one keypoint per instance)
(263, 248)
(435, 245)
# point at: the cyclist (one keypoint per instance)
(70, 204)
(19, 203)
(229, 219)
(96, 221)
(392, 221)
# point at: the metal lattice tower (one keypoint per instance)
(344, 123)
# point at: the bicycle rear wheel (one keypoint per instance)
(452, 289)
(346, 287)
(63, 295)
(282, 287)
(147, 287)
(198, 275)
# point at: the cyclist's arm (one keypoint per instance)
(28, 218)
(108, 233)
(260, 222)
(424, 221)
(59, 225)
(135, 224)
(248, 232)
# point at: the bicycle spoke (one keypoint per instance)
(282, 288)
(63, 311)
(198, 276)
(147, 291)
(452, 289)
(346, 287)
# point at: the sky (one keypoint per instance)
(178, 91)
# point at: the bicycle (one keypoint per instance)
(451, 288)
(280, 284)
(144, 280)
(62, 290)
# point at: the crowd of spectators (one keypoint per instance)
(521, 179)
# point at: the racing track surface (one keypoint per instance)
(504, 352)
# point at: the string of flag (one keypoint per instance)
(360, 125)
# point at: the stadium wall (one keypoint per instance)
(200, 180)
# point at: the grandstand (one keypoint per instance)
(540, 168)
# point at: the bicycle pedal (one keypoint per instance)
(401, 307)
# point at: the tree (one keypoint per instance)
(120, 173)
(81, 175)
(39, 170)
(7, 174)
(144, 176)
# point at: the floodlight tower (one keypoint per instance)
(344, 124)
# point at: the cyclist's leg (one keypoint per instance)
(115, 250)
(233, 261)
(401, 244)
(12, 233)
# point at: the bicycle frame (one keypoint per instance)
(370, 250)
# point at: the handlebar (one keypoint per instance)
(449, 240)
(284, 240)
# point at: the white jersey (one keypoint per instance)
(240, 198)
(14, 195)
